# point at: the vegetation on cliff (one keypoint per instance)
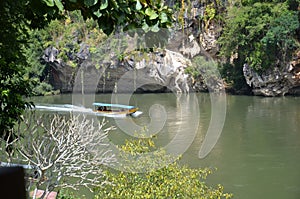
(67, 36)
(263, 34)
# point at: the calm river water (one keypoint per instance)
(257, 155)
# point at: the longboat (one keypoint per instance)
(113, 110)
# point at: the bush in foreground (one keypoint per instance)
(171, 181)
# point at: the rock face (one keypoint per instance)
(60, 74)
(159, 71)
(208, 38)
(275, 82)
(163, 70)
(211, 84)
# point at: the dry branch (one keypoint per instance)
(67, 151)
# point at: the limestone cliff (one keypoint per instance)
(276, 81)
(158, 71)
(164, 70)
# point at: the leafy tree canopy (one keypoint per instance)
(260, 33)
(111, 14)
(13, 87)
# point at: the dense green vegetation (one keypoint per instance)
(263, 34)
(66, 35)
(13, 62)
(170, 181)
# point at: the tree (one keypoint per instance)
(18, 17)
(262, 34)
(63, 151)
(13, 87)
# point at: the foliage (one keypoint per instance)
(43, 88)
(17, 18)
(67, 36)
(132, 14)
(258, 33)
(13, 85)
(210, 13)
(262, 34)
(171, 181)
(205, 67)
(279, 36)
(191, 70)
(204, 70)
(36, 72)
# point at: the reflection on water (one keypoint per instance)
(257, 154)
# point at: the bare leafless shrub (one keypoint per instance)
(61, 151)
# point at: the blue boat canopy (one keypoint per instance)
(113, 105)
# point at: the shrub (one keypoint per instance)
(171, 181)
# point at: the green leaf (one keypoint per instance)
(59, 5)
(5, 93)
(97, 13)
(163, 17)
(104, 4)
(151, 13)
(145, 27)
(49, 2)
(90, 3)
(155, 28)
(138, 5)
(73, 1)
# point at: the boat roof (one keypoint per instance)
(112, 105)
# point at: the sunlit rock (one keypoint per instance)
(159, 71)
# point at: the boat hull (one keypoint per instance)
(119, 113)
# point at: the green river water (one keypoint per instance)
(257, 154)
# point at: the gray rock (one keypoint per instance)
(155, 72)
(50, 55)
(161, 70)
(273, 82)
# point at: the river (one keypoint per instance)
(256, 153)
